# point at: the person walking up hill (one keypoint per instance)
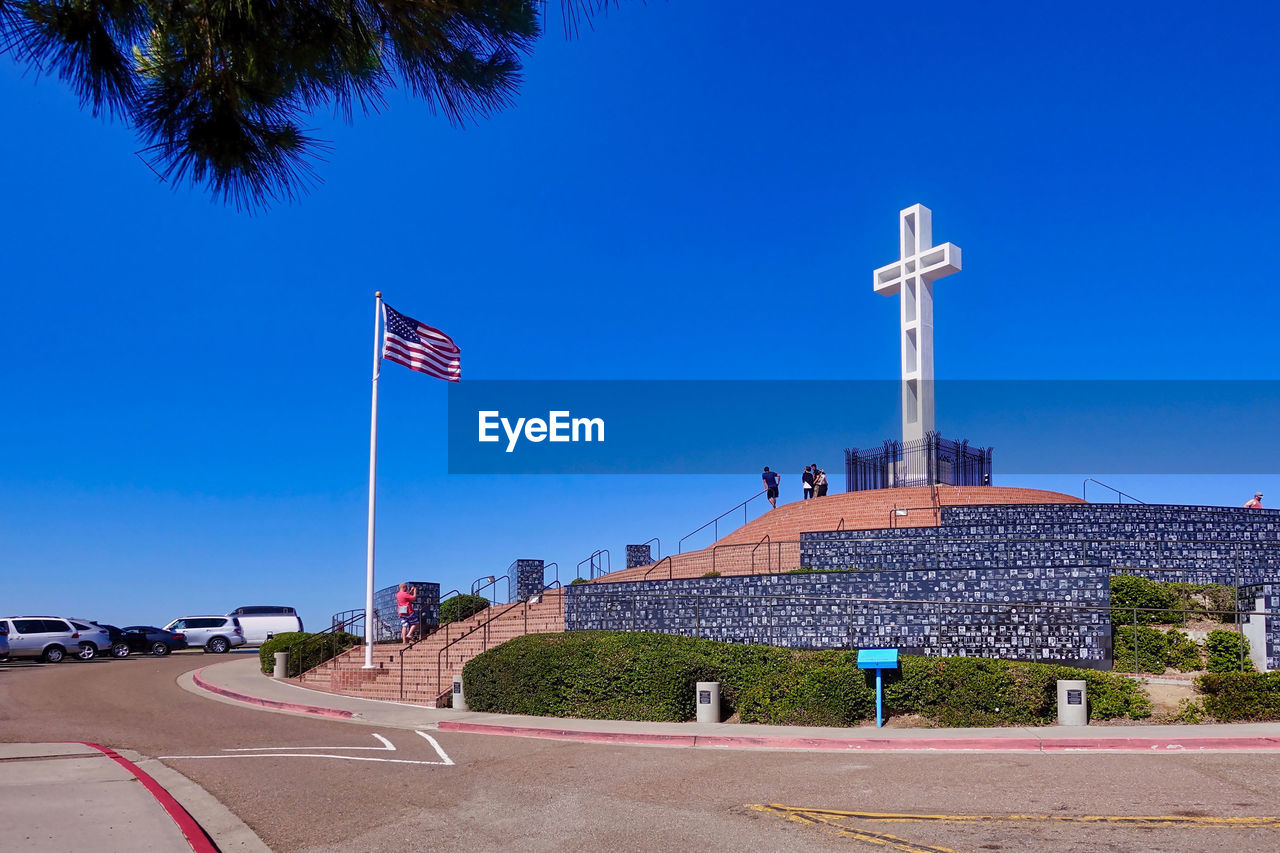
(771, 480)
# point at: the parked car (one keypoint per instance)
(147, 639)
(119, 648)
(217, 634)
(48, 638)
(94, 639)
(4, 640)
(262, 622)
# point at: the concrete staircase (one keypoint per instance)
(429, 665)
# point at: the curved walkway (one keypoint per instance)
(240, 681)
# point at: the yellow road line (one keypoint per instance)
(883, 839)
(1208, 822)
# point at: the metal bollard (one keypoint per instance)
(282, 665)
(708, 701)
(459, 698)
(1073, 703)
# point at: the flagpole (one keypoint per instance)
(373, 477)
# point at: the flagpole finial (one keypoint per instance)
(378, 293)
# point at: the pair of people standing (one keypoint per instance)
(814, 481)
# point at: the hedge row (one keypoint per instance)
(307, 656)
(637, 676)
(1240, 696)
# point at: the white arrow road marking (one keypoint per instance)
(262, 752)
(444, 758)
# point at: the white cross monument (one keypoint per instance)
(913, 274)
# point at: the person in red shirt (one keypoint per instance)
(405, 597)
(1256, 502)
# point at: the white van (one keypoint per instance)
(261, 623)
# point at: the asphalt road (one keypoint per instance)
(307, 784)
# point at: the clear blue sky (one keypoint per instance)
(689, 191)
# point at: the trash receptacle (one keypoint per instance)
(708, 699)
(282, 665)
(1073, 703)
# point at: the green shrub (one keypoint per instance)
(1169, 603)
(577, 581)
(1190, 712)
(808, 689)
(1227, 650)
(1151, 646)
(1214, 602)
(278, 643)
(1240, 696)
(461, 607)
(711, 574)
(987, 692)
(1156, 602)
(306, 650)
(623, 675)
(1156, 650)
(1183, 653)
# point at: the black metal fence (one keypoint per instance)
(932, 460)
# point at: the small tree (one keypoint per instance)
(461, 607)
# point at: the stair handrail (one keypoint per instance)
(440, 654)
(322, 638)
(840, 526)
(753, 552)
(716, 521)
(544, 573)
(657, 565)
(654, 539)
(902, 511)
(1084, 491)
(592, 560)
(493, 582)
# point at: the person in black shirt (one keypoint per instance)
(771, 480)
(807, 482)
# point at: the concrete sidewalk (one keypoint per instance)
(240, 681)
(67, 796)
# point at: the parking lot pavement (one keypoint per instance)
(304, 785)
(57, 797)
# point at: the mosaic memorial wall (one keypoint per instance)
(1049, 614)
(1192, 544)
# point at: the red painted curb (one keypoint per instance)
(1150, 744)
(983, 744)
(196, 837)
(313, 710)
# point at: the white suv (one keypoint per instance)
(49, 638)
(218, 634)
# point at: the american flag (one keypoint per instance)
(419, 347)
